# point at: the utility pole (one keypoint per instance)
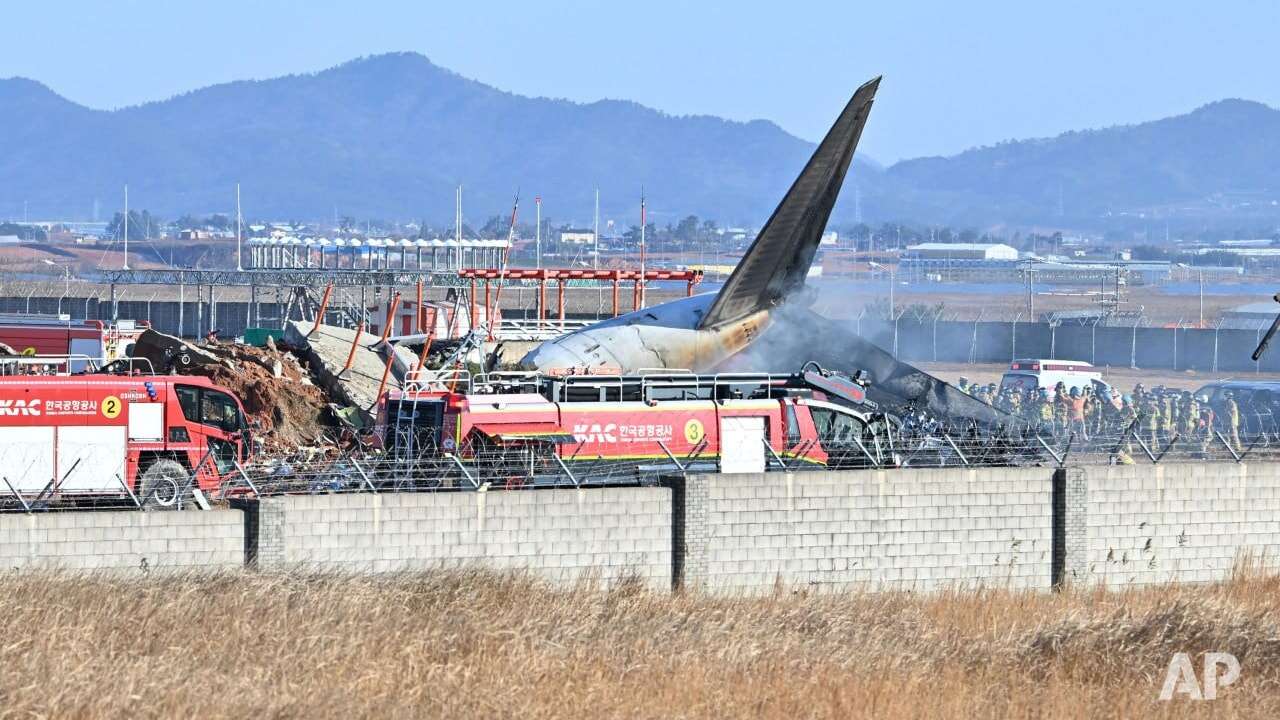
(595, 233)
(239, 262)
(537, 247)
(126, 228)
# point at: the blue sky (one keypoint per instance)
(957, 74)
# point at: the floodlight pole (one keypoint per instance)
(239, 263)
(126, 228)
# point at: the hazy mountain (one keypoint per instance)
(387, 136)
(1217, 162)
(391, 136)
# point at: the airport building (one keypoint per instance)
(995, 262)
(951, 262)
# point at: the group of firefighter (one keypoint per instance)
(1157, 415)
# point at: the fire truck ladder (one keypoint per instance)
(405, 427)
(409, 450)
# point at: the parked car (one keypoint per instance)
(1258, 402)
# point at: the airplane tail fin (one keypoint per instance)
(779, 259)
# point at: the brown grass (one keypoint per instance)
(460, 644)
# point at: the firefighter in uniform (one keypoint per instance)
(1231, 411)
(1075, 414)
(1151, 422)
(1191, 420)
(1168, 416)
(1044, 411)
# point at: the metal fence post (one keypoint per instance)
(896, 318)
(1133, 347)
(1176, 328)
(1013, 337)
(26, 507)
(1215, 345)
(1093, 342)
(935, 334)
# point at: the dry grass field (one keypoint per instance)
(463, 644)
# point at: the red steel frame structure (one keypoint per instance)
(638, 279)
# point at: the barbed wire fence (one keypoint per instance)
(485, 462)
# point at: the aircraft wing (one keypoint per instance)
(779, 259)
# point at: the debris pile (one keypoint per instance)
(274, 386)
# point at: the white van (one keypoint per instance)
(1032, 374)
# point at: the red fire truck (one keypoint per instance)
(58, 335)
(91, 435)
(590, 426)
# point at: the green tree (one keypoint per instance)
(142, 226)
(24, 232)
(494, 227)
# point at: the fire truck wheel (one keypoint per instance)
(162, 482)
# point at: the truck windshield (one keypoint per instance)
(835, 427)
(209, 407)
(219, 410)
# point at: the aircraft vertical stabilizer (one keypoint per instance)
(779, 259)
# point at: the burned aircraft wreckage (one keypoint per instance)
(764, 303)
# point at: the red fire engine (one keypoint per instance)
(54, 335)
(732, 423)
(77, 435)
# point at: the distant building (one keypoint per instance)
(1254, 243)
(942, 262)
(961, 251)
(1253, 316)
(577, 237)
(830, 238)
(736, 234)
(10, 239)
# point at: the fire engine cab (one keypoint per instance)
(727, 422)
(93, 435)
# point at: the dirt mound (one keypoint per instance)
(276, 391)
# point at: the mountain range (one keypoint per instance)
(391, 136)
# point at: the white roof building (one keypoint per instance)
(963, 251)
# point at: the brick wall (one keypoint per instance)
(908, 529)
(1185, 523)
(123, 540)
(562, 535)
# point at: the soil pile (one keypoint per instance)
(274, 386)
(276, 391)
